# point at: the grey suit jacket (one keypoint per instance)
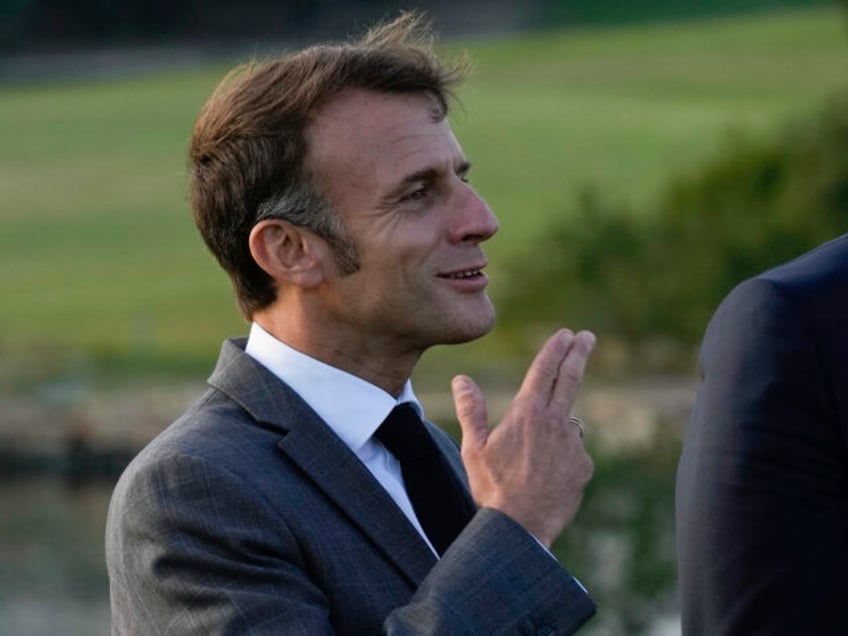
(248, 515)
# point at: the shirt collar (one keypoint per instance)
(352, 407)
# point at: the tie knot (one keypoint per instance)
(404, 434)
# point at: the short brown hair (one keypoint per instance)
(249, 142)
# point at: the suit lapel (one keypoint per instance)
(324, 459)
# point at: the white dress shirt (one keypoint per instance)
(351, 407)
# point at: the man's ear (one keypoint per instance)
(286, 252)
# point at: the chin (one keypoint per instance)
(468, 331)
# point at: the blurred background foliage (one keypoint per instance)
(52, 24)
(655, 277)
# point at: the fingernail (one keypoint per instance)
(459, 383)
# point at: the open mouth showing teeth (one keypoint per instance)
(460, 275)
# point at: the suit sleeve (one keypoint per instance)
(494, 579)
(762, 524)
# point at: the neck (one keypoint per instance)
(378, 363)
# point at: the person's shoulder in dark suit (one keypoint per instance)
(762, 490)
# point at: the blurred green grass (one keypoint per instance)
(99, 259)
(625, 108)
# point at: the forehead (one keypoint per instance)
(379, 137)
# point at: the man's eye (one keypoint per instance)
(417, 195)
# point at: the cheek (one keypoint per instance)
(397, 288)
(399, 262)
(403, 257)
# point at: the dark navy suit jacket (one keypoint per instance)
(762, 485)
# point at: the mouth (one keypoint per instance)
(463, 274)
(467, 279)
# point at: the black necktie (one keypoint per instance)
(441, 502)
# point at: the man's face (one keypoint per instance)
(397, 177)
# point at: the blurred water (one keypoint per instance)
(52, 572)
(53, 578)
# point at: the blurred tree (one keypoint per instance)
(51, 24)
(758, 204)
(34, 24)
(577, 12)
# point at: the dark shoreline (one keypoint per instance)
(79, 466)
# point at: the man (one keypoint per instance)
(762, 486)
(330, 187)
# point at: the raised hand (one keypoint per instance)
(532, 466)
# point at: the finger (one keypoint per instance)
(470, 411)
(542, 375)
(571, 370)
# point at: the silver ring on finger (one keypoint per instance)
(581, 427)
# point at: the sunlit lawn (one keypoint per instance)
(99, 258)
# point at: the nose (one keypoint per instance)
(473, 221)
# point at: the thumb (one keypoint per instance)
(470, 411)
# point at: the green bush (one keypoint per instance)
(659, 275)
